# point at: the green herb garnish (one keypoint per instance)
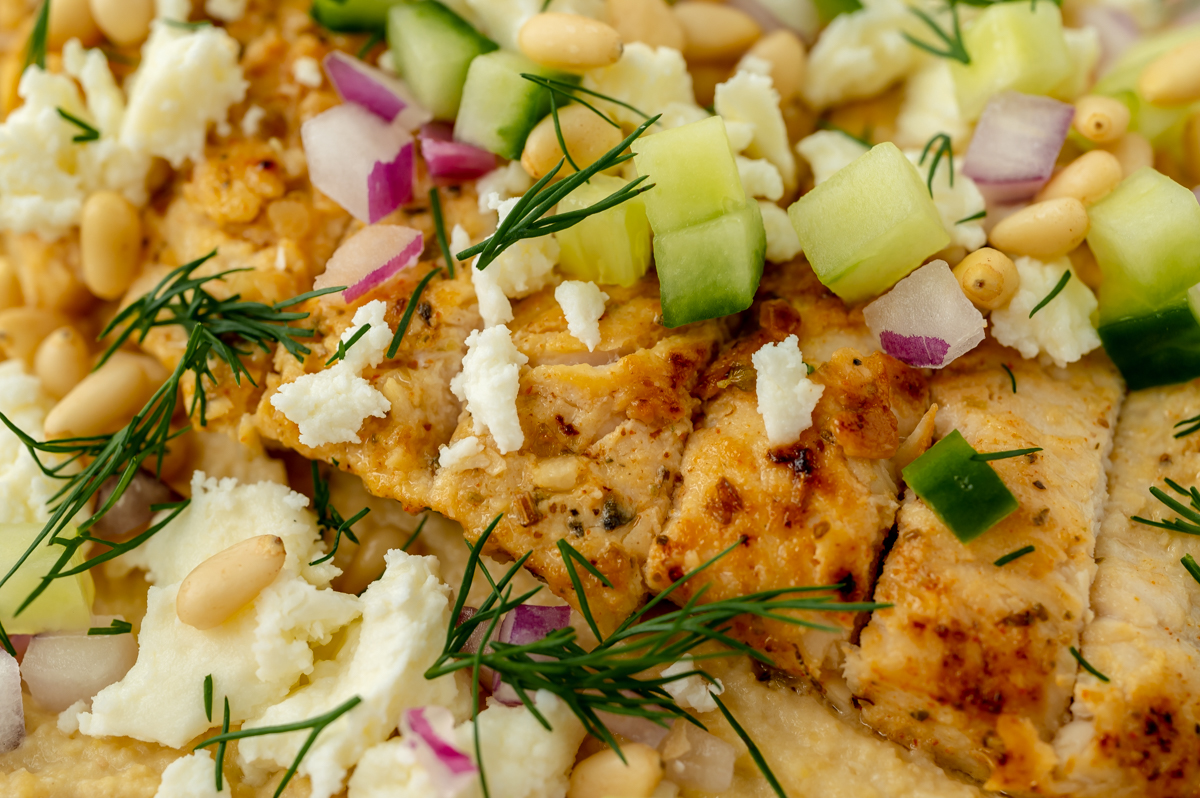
(409, 309)
(973, 217)
(955, 48)
(328, 516)
(220, 758)
(89, 133)
(1189, 562)
(117, 627)
(1011, 376)
(1087, 666)
(864, 139)
(942, 141)
(35, 49)
(416, 533)
(1055, 291)
(1189, 527)
(1192, 425)
(755, 754)
(1013, 555)
(343, 347)
(570, 91)
(208, 696)
(375, 38)
(439, 229)
(987, 457)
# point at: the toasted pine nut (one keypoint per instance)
(229, 580)
(647, 21)
(1134, 151)
(10, 286)
(1044, 230)
(1085, 266)
(62, 361)
(1174, 77)
(715, 32)
(988, 278)
(110, 238)
(23, 329)
(1088, 178)
(1191, 148)
(102, 402)
(604, 773)
(587, 137)
(124, 22)
(1101, 119)
(569, 42)
(71, 19)
(784, 51)
(368, 561)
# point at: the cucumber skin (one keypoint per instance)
(1160, 348)
(353, 16)
(436, 74)
(967, 495)
(499, 108)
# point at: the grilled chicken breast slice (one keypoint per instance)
(972, 663)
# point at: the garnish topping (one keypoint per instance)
(1192, 425)
(973, 217)
(208, 696)
(1011, 376)
(987, 457)
(955, 48)
(328, 516)
(439, 229)
(1013, 555)
(1087, 666)
(864, 139)
(409, 309)
(1189, 527)
(755, 754)
(1189, 562)
(117, 627)
(35, 50)
(344, 346)
(89, 133)
(1055, 291)
(943, 148)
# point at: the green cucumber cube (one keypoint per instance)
(352, 15)
(869, 225)
(64, 606)
(828, 9)
(1159, 348)
(1017, 46)
(433, 48)
(694, 174)
(610, 247)
(1146, 238)
(966, 494)
(499, 107)
(711, 269)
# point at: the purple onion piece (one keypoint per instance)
(450, 160)
(418, 724)
(362, 84)
(528, 623)
(920, 351)
(1015, 145)
(131, 513)
(390, 184)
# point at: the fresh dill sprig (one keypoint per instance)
(1191, 526)
(409, 309)
(1189, 563)
(375, 38)
(416, 533)
(571, 91)
(439, 229)
(1192, 425)
(864, 139)
(208, 696)
(562, 142)
(955, 48)
(329, 517)
(314, 726)
(1011, 376)
(944, 149)
(987, 457)
(973, 217)
(35, 49)
(755, 754)
(1013, 555)
(1087, 666)
(89, 133)
(117, 627)
(220, 758)
(343, 347)
(183, 24)
(1055, 291)
(525, 219)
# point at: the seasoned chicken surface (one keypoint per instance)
(972, 662)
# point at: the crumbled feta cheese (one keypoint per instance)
(225, 10)
(506, 182)
(391, 770)
(258, 654)
(786, 396)
(307, 72)
(68, 719)
(188, 79)
(693, 692)
(782, 242)
(25, 492)
(583, 305)
(489, 382)
(1062, 330)
(330, 406)
(252, 121)
(191, 776)
(523, 268)
(931, 107)
(740, 134)
(760, 178)
(647, 78)
(828, 151)
(860, 54)
(461, 455)
(383, 661)
(751, 98)
(954, 202)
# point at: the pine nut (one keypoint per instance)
(1085, 266)
(1088, 178)
(647, 21)
(604, 773)
(23, 329)
(368, 561)
(62, 361)
(1173, 78)
(228, 581)
(71, 19)
(587, 137)
(124, 22)
(988, 278)
(102, 402)
(1101, 119)
(110, 240)
(10, 286)
(715, 32)
(1191, 149)
(1044, 230)
(569, 42)
(784, 51)
(1134, 151)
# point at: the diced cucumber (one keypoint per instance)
(1121, 82)
(694, 173)
(352, 15)
(1016, 46)
(65, 605)
(433, 48)
(499, 107)
(967, 494)
(1158, 348)
(869, 225)
(1146, 238)
(828, 9)
(610, 247)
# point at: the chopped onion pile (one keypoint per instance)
(1015, 145)
(1116, 30)
(370, 258)
(12, 711)
(925, 320)
(63, 668)
(131, 514)
(695, 758)
(430, 732)
(375, 90)
(449, 160)
(361, 162)
(524, 625)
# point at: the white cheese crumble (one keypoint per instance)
(523, 268)
(24, 490)
(786, 396)
(1062, 330)
(330, 406)
(583, 305)
(860, 54)
(750, 98)
(383, 661)
(68, 719)
(252, 120)
(650, 79)
(506, 182)
(307, 72)
(931, 107)
(827, 151)
(225, 10)
(782, 242)
(954, 202)
(693, 692)
(760, 178)
(462, 455)
(488, 384)
(191, 776)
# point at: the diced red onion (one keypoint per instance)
(695, 758)
(61, 669)
(12, 711)
(131, 514)
(20, 644)
(1116, 29)
(430, 730)
(370, 258)
(380, 93)
(1196, 191)
(925, 320)
(523, 625)
(1015, 145)
(361, 162)
(637, 729)
(449, 160)
(477, 634)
